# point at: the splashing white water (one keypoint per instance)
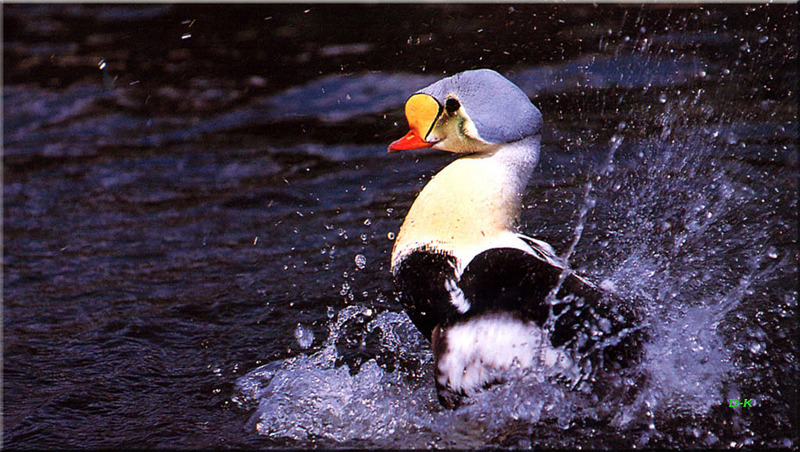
(308, 397)
(670, 222)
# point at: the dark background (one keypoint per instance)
(179, 193)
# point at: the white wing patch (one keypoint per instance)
(480, 350)
(457, 297)
(543, 251)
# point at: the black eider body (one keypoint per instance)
(509, 281)
(488, 298)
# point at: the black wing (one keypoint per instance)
(421, 282)
(579, 315)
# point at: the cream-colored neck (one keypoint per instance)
(471, 205)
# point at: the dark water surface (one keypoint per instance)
(198, 213)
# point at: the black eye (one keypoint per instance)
(451, 106)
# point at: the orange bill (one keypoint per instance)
(422, 111)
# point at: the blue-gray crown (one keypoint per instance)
(501, 112)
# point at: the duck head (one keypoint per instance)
(472, 111)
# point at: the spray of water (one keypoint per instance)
(672, 221)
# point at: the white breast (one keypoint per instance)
(471, 205)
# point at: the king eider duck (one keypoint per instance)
(491, 299)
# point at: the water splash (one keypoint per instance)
(309, 396)
(687, 231)
(317, 398)
(676, 216)
(668, 225)
(304, 336)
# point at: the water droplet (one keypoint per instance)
(367, 222)
(608, 285)
(756, 347)
(361, 261)
(662, 98)
(772, 252)
(390, 236)
(304, 336)
(101, 64)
